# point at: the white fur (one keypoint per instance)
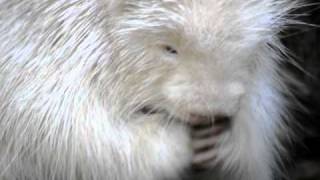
(73, 73)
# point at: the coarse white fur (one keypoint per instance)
(74, 73)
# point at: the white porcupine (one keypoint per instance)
(75, 76)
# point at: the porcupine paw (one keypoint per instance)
(205, 133)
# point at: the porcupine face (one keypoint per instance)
(192, 58)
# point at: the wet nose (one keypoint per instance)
(219, 102)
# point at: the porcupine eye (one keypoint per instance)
(170, 50)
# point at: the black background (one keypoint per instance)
(304, 42)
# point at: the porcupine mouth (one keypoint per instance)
(150, 110)
(219, 120)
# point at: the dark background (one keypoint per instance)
(304, 42)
